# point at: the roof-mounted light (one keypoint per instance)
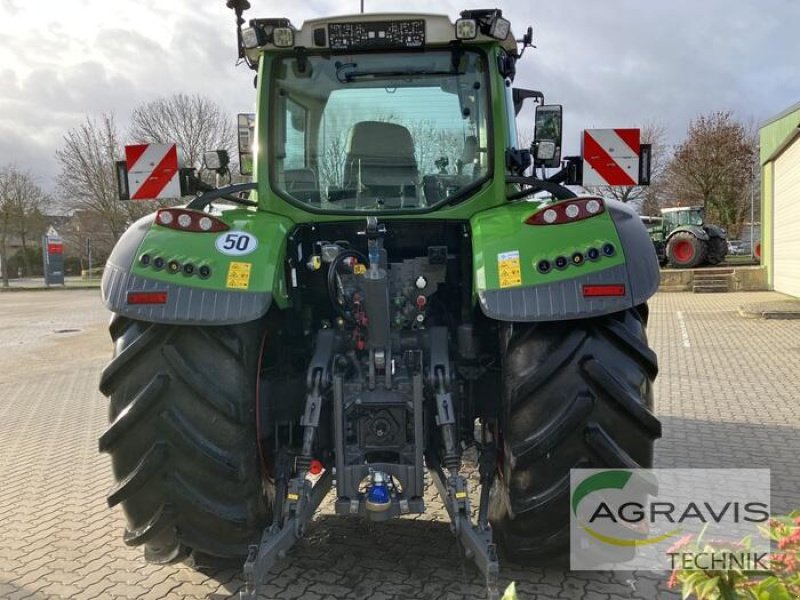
(466, 29)
(499, 28)
(253, 37)
(278, 32)
(489, 22)
(283, 37)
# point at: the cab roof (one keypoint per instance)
(420, 29)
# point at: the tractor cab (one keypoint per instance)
(388, 113)
(682, 215)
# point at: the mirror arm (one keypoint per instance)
(560, 176)
(210, 193)
(571, 173)
(520, 95)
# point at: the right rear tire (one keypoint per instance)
(576, 394)
(182, 438)
(685, 251)
(717, 250)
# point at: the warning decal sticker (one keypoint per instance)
(508, 269)
(238, 275)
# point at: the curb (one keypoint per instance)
(749, 313)
(48, 289)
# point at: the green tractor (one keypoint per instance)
(387, 294)
(684, 240)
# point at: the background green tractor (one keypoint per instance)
(388, 293)
(683, 239)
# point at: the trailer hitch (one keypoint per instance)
(296, 498)
(301, 502)
(476, 540)
(296, 501)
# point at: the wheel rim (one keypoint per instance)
(683, 250)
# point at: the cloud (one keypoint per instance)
(624, 63)
(611, 63)
(10, 7)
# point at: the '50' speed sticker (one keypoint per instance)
(236, 243)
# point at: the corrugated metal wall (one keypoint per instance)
(786, 240)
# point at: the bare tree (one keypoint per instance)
(648, 198)
(332, 159)
(88, 184)
(432, 143)
(195, 123)
(20, 202)
(713, 168)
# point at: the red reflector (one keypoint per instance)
(315, 468)
(594, 291)
(55, 248)
(567, 211)
(147, 297)
(184, 219)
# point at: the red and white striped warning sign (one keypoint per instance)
(152, 171)
(610, 157)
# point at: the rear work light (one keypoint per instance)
(184, 219)
(567, 211)
(603, 290)
(466, 29)
(147, 297)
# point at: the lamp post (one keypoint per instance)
(753, 204)
(89, 255)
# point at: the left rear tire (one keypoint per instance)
(182, 438)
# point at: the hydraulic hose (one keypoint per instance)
(332, 292)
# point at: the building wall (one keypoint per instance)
(776, 135)
(786, 230)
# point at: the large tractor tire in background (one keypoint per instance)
(686, 251)
(717, 250)
(182, 438)
(576, 394)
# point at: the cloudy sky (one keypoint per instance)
(609, 62)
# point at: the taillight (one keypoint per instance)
(567, 211)
(147, 297)
(603, 290)
(184, 219)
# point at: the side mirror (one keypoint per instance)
(246, 128)
(216, 160)
(547, 136)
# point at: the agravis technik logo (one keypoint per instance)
(631, 518)
(630, 513)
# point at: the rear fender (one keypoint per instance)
(715, 231)
(696, 230)
(239, 288)
(509, 286)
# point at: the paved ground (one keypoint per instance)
(727, 394)
(37, 283)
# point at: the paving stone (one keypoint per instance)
(726, 394)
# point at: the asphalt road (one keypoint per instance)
(727, 395)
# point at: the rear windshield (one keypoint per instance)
(367, 132)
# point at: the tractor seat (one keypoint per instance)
(466, 163)
(384, 155)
